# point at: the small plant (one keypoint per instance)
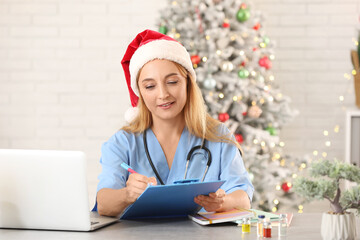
(325, 184)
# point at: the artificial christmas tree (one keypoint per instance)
(232, 57)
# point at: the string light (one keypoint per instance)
(207, 37)
(282, 162)
(271, 99)
(253, 73)
(324, 154)
(272, 57)
(315, 153)
(263, 144)
(262, 101)
(253, 103)
(262, 45)
(177, 35)
(326, 133)
(279, 95)
(278, 187)
(235, 98)
(256, 141)
(301, 207)
(274, 209)
(271, 78)
(204, 59)
(174, 3)
(281, 144)
(303, 165)
(242, 53)
(341, 98)
(328, 143)
(294, 175)
(336, 129)
(221, 95)
(272, 145)
(218, 52)
(353, 72)
(276, 201)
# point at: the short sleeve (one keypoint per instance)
(234, 171)
(113, 153)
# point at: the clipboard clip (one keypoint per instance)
(194, 180)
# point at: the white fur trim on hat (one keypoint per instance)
(131, 113)
(159, 49)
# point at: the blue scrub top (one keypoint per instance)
(227, 163)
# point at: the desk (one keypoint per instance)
(303, 226)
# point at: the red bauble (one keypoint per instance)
(223, 117)
(239, 138)
(257, 26)
(226, 25)
(286, 186)
(195, 59)
(265, 62)
(243, 64)
(254, 49)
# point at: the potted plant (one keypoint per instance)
(325, 184)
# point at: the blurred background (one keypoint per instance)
(62, 85)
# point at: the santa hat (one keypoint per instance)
(149, 45)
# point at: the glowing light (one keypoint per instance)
(272, 145)
(253, 103)
(263, 144)
(174, 3)
(253, 73)
(347, 76)
(326, 133)
(242, 52)
(274, 209)
(336, 129)
(315, 153)
(328, 143)
(262, 101)
(221, 95)
(279, 95)
(195, 65)
(256, 141)
(266, 88)
(256, 39)
(235, 98)
(324, 154)
(282, 162)
(301, 207)
(294, 175)
(277, 156)
(271, 99)
(233, 38)
(278, 187)
(303, 165)
(204, 59)
(341, 98)
(262, 45)
(272, 78)
(276, 201)
(218, 52)
(353, 72)
(207, 37)
(282, 144)
(289, 185)
(177, 35)
(272, 57)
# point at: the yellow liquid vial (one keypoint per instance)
(245, 228)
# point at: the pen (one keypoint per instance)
(127, 167)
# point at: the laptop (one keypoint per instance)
(46, 189)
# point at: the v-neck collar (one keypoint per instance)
(160, 161)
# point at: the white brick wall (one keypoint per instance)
(62, 85)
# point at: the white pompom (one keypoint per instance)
(131, 114)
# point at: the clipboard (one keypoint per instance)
(168, 201)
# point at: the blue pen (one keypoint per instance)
(127, 168)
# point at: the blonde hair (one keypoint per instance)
(197, 120)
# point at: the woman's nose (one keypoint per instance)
(163, 91)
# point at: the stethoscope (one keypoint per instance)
(189, 156)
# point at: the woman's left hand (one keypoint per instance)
(213, 202)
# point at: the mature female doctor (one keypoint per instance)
(168, 120)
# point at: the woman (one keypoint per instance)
(169, 111)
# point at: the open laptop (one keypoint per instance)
(46, 189)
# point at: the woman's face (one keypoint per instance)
(163, 89)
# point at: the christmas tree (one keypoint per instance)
(233, 57)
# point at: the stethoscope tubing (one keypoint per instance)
(188, 158)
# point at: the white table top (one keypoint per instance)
(303, 226)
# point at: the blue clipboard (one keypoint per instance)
(174, 200)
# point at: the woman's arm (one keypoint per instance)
(220, 201)
(112, 202)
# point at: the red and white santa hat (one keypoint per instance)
(149, 45)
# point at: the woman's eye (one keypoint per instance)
(172, 82)
(149, 86)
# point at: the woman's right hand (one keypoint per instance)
(136, 185)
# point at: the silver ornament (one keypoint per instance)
(209, 83)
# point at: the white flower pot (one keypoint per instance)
(338, 227)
